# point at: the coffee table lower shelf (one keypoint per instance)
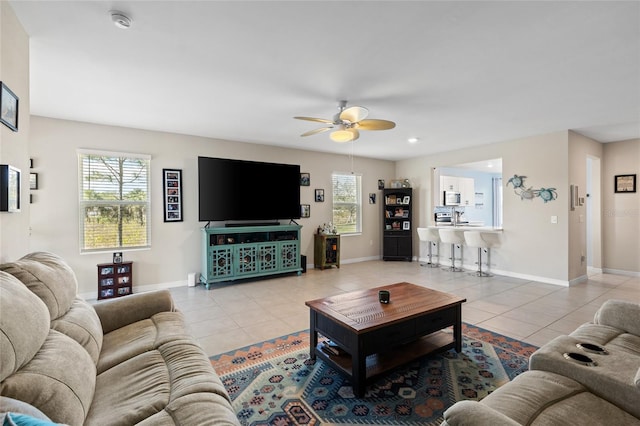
(379, 363)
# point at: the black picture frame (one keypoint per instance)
(319, 198)
(172, 192)
(9, 188)
(625, 183)
(305, 210)
(380, 183)
(33, 181)
(8, 107)
(305, 179)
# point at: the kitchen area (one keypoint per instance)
(467, 214)
(469, 195)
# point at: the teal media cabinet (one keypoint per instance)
(233, 253)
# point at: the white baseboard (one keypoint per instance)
(621, 272)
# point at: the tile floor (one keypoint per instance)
(230, 316)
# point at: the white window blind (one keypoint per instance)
(347, 202)
(114, 201)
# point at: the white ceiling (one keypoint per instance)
(453, 74)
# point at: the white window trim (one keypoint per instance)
(359, 228)
(95, 152)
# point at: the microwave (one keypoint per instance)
(451, 198)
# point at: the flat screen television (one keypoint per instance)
(239, 190)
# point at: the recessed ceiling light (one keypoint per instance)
(412, 140)
(120, 20)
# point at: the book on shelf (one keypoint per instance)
(332, 348)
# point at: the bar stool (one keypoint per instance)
(432, 237)
(453, 237)
(483, 241)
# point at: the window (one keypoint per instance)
(347, 202)
(114, 201)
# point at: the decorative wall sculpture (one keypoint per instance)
(547, 194)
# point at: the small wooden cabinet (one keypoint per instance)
(115, 279)
(397, 240)
(326, 251)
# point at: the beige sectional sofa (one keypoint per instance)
(124, 361)
(603, 390)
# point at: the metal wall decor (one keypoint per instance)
(547, 194)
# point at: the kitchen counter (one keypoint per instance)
(467, 227)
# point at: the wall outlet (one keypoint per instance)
(554, 219)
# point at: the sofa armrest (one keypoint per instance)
(116, 313)
(619, 314)
(469, 413)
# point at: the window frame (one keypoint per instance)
(83, 203)
(357, 204)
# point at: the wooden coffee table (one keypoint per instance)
(376, 337)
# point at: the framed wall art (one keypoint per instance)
(9, 188)
(172, 195)
(8, 107)
(625, 183)
(33, 181)
(319, 196)
(305, 210)
(305, 179)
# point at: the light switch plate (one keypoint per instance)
(554, 219)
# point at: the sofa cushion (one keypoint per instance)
(141, 336)
(16, 406)
(59, 380)
(49, 277)
(82, 324)
(24, 325)
(153, 382)
(613, 339)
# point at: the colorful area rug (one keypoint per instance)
(276, 383)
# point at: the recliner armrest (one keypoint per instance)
(469, 413)
(620, 314)
(117, 313)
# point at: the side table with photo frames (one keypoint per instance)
(114, 279)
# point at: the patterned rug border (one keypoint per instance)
(259, 352)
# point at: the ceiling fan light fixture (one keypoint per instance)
(341, 136)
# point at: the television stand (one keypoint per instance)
(236, 252)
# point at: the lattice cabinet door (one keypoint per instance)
(289, 255)
(247, 260)
(268, 256)
(221, 263)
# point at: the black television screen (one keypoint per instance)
(247, 190)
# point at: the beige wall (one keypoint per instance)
(14, 146)
(621, 215)
(176, 246)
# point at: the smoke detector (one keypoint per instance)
(120, 20)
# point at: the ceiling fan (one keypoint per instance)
(348, 122)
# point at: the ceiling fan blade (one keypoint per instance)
(374, 124)
(319, 120)
(316, 131)
(354, 114)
